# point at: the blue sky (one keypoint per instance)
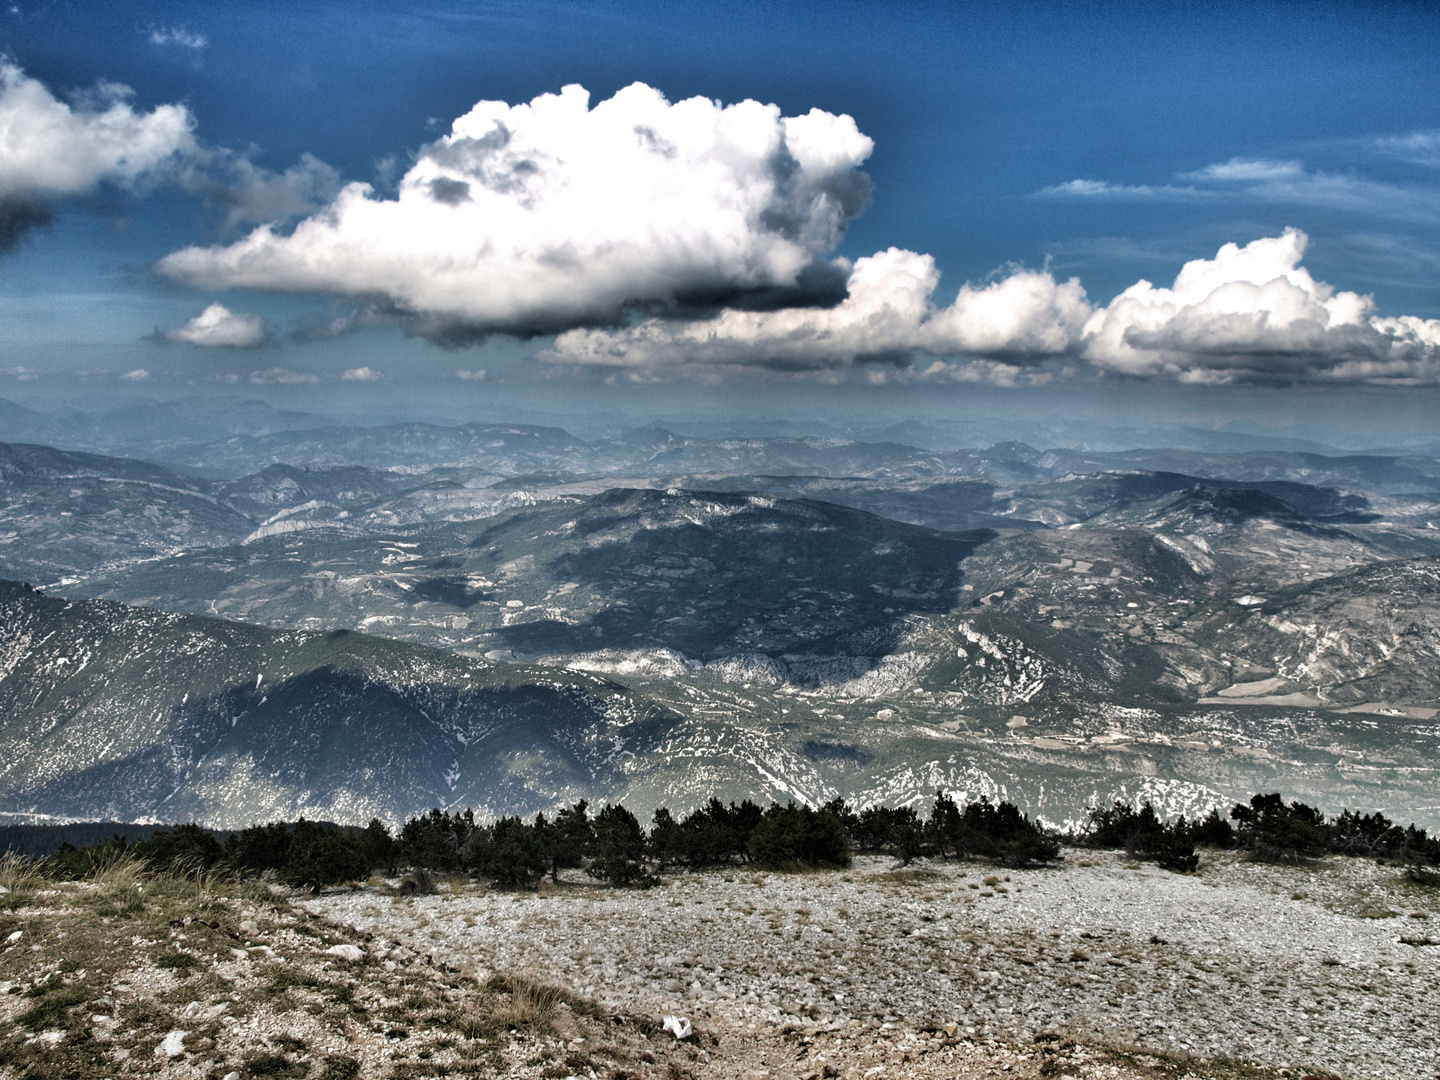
(1107, 142)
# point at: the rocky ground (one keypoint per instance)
(136, 975)
(1329, 968)
(1099, 970)
(202, 978)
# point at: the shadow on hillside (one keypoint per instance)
(329, 740)
(784, 578)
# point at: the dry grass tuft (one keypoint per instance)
(119, 871)
(532, 1003)
(21, 878)
(910, 875)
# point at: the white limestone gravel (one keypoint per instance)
(1323, 967)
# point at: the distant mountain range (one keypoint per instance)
(120, 713)
(660, 618)
(230, 437)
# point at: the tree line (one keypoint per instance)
(1267, 828)
(612, 846)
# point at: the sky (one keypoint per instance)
(1224, 214)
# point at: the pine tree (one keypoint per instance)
(511, 855)
(617, 848)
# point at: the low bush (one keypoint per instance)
(531, 1003)
(1143, 835)
(566, 841)
(510, 853)
(310, 854)
(1000, 833)
(1272, 831)
(896, 830)
(1213, 831)
(1268, 828)
(68, 862)
(437, 839)
(191, 846)
(712, 835)
(797, 836)
(420, 882)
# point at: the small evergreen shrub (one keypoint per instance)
(1213, 831)
(897, 830)
(190, 846)
(712, 835)
(1143, 835)
(618, 848)
(512, 854)
(1274, 832)
(793, 836)
(437, 840)
(566, 841)
(613, 847)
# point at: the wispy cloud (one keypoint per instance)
(179, 37)
(1418, 147)
(1290, 183)
(360, 374)
(282, 377)
(1239, 170)
(1103, 189)
(1283, 182)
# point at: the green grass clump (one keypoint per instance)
(179, 962)
(289, 979)
(53, 1008)
(279, 1066)
(336, 1067)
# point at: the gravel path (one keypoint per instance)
(1323, 967)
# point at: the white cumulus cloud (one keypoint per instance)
(360, 374)
(1027, 313)
(52, 150)
(218, 325)
(1251, 313)
(1254, 312)
(552, 214)
(655, 238)
(887, 314)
